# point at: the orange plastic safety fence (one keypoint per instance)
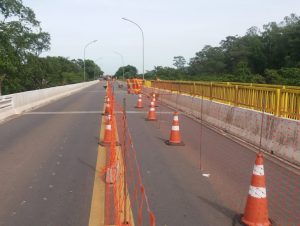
(126, 202)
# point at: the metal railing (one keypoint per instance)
(283, 101)
(5, 102)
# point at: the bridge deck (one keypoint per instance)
(48, 159)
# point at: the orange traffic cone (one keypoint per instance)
(175, 137)
(154, 99)
(139, 103)
(152, 113)
(107, 100)
(108, 118)
(256, 210)
(107, 109)
(107, 134)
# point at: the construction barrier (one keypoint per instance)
(283, 101)
(126, 201)
(134, 85)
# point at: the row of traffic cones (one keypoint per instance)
(256, 209)
(113, 169)
(108, 111)
(175, 137)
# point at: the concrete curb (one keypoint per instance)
(26, 101)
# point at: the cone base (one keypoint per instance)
(105, 144)
(149, 119)
(238, 221)
(138, 107)
(167, 142)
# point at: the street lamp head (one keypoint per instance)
(95, 40)
(123, 18)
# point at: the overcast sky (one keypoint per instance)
(171, 27)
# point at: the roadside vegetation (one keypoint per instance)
(22, 41)
(270, 55)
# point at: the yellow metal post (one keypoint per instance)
(278, 102)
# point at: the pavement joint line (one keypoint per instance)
(88, 112)
(61, 112)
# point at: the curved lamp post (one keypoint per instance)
(84, 56)
(143, 43)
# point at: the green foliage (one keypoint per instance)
(129, 72)
(179, 62)
(21, 42)
(268, 56)
(20, 37)
(92, 70)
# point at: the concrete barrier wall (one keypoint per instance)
(25, 101)
(280, 136)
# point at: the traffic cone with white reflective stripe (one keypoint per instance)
(107, 134)
(151, 113)
(153, 99)
(107, 110)
(139, 103)
(106, 99)
(175, 137)
(108, 118)
(256, 210)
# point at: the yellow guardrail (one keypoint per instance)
(147, 83)
(279, 100)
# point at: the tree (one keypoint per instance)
(20, 36)
(248, 57)
(179, 62)
(129, 72)
(92, 70)
(208, 60)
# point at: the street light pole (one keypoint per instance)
(122, 58)
(84, 56)
(143, 43)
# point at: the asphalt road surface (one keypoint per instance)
(47, 162)
(48, 158)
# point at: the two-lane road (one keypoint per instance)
(48, 159)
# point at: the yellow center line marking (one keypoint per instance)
(97, 212)
(98, 198)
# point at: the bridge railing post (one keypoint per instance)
(278, 102)
(236, 95)
(211, 91)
